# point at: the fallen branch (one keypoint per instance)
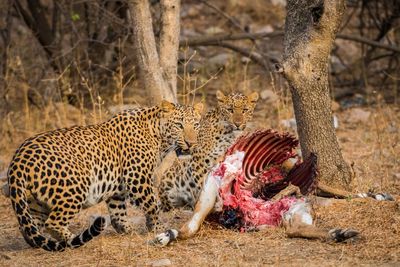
(215, 39)
(255, 57)
(220, 40)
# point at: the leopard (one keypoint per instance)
(180, 182)
(55, 174)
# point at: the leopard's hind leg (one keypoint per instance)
(39, 213)
(60, 217)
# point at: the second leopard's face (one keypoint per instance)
(237, 108)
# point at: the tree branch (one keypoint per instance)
(367, 41)
(214, 39)
(42, 28)
(220, 40)
(24, 15)
(255, 57)
(36, 21)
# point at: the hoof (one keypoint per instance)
(340, 235)
(165, 238)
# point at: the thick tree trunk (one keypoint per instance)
(310, 30)
(156, 80)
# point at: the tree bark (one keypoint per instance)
(310, 30)
(169, 43)
(5, 39)
(148, 62)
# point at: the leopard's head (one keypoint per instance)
(180, 126)
(237, 109)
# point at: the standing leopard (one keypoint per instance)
(55, 174)
(180, 181)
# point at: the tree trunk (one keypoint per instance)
(169, 42)
(148, 62)
(310, 30)
(5, 39)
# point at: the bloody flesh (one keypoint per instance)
(252, 173)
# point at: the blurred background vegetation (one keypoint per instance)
(73, 62)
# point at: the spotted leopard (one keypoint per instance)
(180, 181)
(55, 174)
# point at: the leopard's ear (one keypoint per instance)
(220, 96)
(167, 106)
(199, 107)
(253, 97)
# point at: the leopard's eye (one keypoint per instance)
(196, 125)
(180, 125)
(230, 110)
(245, 110)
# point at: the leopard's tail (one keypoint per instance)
(30, 230)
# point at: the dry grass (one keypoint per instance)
(373, 147)
(214, 246)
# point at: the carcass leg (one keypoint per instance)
(298, 222)
(204, 205)
(328, 191)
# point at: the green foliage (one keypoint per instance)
(75, 17)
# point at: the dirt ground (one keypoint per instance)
(373, 147)
(213, 246)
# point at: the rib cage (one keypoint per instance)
(266, 148)
(302, 175)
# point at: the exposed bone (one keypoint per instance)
(288, 191)
(288, 164)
